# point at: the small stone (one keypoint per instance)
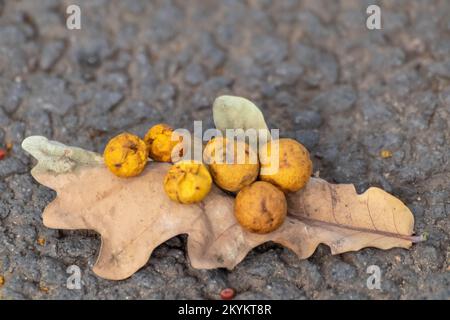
(166, 92)
(373, 110)
(14, 95)
(105, 100)
(441, 69)
(269, 49)
(338, 99)
(11, 165)
(341, 272)
(116, 81)
(212, 55)
(308, 119)
(428, 258)
(50, 54)
(286, 74)
(89, 59)
(194, 74)
(309, 138)
(321, 67)
(51, 94)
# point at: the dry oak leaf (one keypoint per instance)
(133, 216)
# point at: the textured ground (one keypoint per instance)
(315, 70)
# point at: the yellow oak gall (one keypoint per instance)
(161, 141)
(294, 166)
(233, 164)
(187, 182)
(126, 155)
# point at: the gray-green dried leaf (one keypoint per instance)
(231, 112)
(57, 157)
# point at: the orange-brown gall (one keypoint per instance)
(260, 207)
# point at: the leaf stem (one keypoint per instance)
(413, 239)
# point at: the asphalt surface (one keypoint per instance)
(312, 66)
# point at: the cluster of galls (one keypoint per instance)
(126, 155)
(260, 204)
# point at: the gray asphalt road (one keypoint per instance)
(316, 71)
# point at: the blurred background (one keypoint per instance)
(372, 106)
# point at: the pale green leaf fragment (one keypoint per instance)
(57, 157)
(231, 112)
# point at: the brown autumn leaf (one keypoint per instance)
(134, 216)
